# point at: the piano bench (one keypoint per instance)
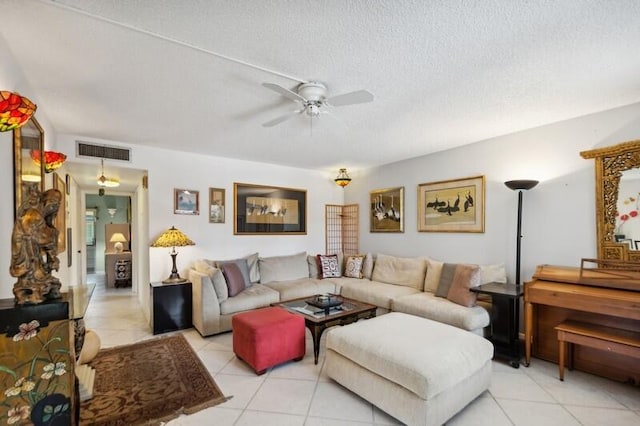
(624, 342)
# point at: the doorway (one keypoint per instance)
(108, 237)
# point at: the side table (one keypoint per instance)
(505, 319)
(171, 307)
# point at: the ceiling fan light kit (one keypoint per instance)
(314, 100)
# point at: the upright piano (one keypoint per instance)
(556, 294)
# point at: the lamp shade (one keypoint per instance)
(172, 237)
(524, 184)
(52, 160)
(118, 238)
(15, 110)
(343, 178)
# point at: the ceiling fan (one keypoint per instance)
(313, 100)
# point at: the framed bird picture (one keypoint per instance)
(451, 205)
(387, 210)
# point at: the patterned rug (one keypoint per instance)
(147, 383)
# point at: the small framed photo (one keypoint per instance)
(216, 205)
(387, 210)
(186, 201)
(455, 205)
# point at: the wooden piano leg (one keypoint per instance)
(528, 332)
(562, 346)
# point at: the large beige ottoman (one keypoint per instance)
(420, 371)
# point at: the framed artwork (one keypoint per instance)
(186, 201)
(216, 205)
(61, 217)
(269, 210)
(387, 210)
(451, 205)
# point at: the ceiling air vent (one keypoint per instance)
(85, 149)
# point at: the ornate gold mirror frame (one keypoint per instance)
(610, 163)
(28, 173)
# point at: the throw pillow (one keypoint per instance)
(243, 267)
(216, 277)
(493, 273)
(464, 278)
(353, 267)
(234, 277)
(446, 277)
(329, 266)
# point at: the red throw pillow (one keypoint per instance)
(235, 279)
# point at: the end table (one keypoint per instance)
(171, 307)
(505, 319)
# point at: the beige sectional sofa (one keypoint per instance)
(391, 283)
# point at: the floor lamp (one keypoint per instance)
(519, 185)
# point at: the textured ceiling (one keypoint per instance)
(443, 73)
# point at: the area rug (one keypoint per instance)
(148, 383)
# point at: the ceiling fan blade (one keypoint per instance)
(357, 97)
(282, 118)
(284, 92)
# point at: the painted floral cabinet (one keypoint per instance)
(36, 364)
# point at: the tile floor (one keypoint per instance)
(301, 394)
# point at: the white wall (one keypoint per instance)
(12, 79)
(175, 169)
(558, 214)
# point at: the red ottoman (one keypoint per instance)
(267, 337)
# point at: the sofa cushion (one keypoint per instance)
(254, 297)
(367, 267)
(283, 268)
(404, 271)
(372, 292)
(353, 266)
(216, 277)
(236, 282)
(314, 270)
(465, 278)
(428, 305)
(303, 287)
(328, 266)
(432, 277)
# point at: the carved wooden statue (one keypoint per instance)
(34, 248)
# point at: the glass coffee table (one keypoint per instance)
(317, 320)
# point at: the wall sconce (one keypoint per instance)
(343, 178)
(112, 212)
(15, 110)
